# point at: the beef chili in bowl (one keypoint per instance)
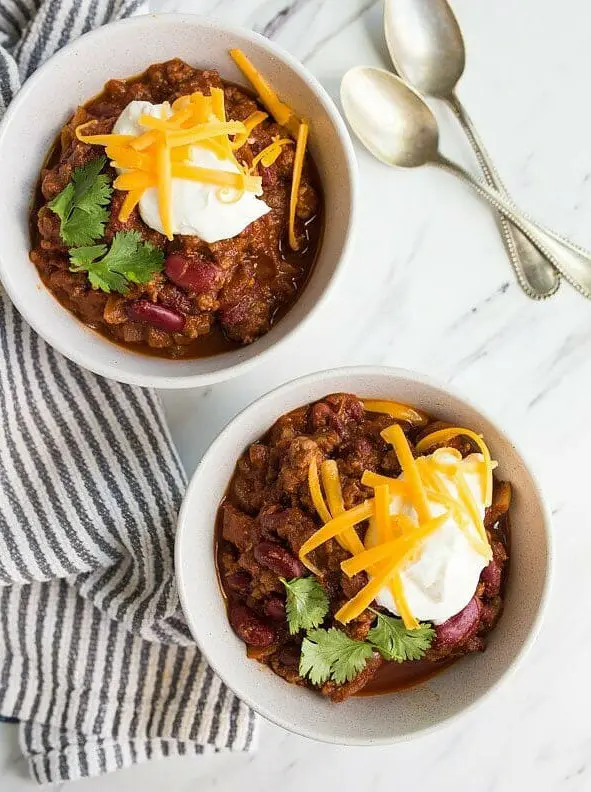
(191, 213)
(362, 532)
(193, 255)
(363, 545)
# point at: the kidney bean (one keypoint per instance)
(192, 273)
(278, 560)
(275, 609)
(239, 582)
(456, 630)
(491, 577)
(155, 315)
(247, 626)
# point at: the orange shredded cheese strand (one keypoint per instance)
(439, 457)
(394, 435)
(130, 202)
(439, 493)
(218, 104)
(397, 589)
(181, 153)
(209, 176)
(126, 157)
(369, 558)
(470, 505)
(329, 474)
(337, 525)
(383, 529)
(103, 140)
(316, 493)
(144, 141)
(152, 122)
(396, 486)
(134, 180)
(164, 185)
(181, 117)
(181, 103)
(396, 410)
(253, 120)
(298, 165)
(199, 132)
(219, 110)
(408, 545)
(202, 107)
(445, 435)
(271, 153)
(281, 112)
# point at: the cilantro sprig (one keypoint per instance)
(306, 603)
(396, 642)
(82, 204)
(128, 260)
(331, 654)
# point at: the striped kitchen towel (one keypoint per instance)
(96, 661)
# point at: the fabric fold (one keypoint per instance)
(96, 660)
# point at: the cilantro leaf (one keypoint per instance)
(82, 204)
(331, 654)
(129, 259)
(395, 642)
(306, 603)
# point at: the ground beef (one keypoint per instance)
(239, 287)
(268, 503)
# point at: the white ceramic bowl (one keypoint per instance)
(377, 719)
(78, 72)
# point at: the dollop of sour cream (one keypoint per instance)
(196, 207)
(443, 579)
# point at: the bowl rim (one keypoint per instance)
(268, 398)
(171, 381)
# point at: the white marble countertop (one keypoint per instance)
(440, 298)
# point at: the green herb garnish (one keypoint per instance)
(306, 603)
(128, 260)
(331, 654)
(82, 204)
(395, 642)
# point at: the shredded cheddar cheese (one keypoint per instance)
(407, 546)
(329, 474)
(394, 435)
(316, 493)
(157, 156)
(436, 481)
(397, 411)
(445, 435)
(250, 123)
(298, 165)
(281, 112)
(396, 486)
(397, 589)
(472, 508)
(270, 154)
(336, 526)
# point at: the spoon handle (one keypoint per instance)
(572, 262)
(535, 274)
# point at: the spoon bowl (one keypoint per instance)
(426, 45)
(427, 49)
(389, 118)
(396, 125)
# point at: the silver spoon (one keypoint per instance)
(395, 124)
(426, 46)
